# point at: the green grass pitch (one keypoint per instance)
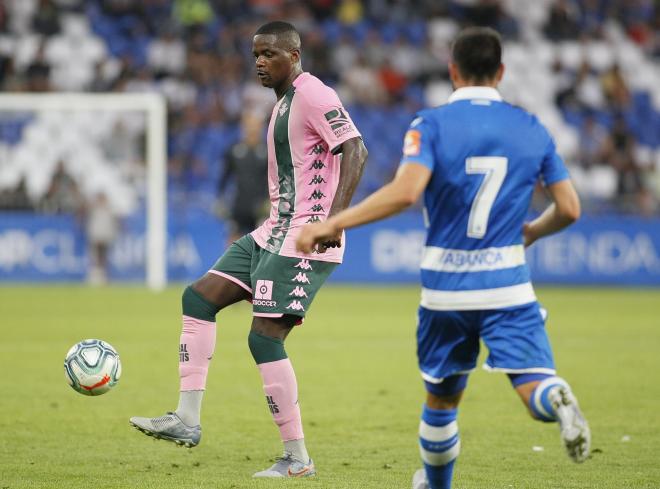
(360, 394)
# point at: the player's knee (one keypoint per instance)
(193, 304)
(266, 349)
(447, 394)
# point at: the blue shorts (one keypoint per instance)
(448, 341)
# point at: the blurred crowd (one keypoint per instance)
(588, 68)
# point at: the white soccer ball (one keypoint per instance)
(92, 367)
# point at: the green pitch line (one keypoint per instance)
(360, 395)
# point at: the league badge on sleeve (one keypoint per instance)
(412, 143)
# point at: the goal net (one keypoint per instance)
(106, 149)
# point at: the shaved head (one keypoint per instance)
(287, 37)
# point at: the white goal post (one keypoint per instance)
(154, 106)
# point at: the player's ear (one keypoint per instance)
(454, 74)
(295, 56)
(500, 73)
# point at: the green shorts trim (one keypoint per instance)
(279, 284)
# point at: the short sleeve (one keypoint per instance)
(331, 121)
(418, 143)
(553, 169)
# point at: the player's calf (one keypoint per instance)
(439, 446)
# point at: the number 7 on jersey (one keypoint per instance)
(494, 170)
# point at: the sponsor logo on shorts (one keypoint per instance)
(312, 219)
(301, 278)
(264, 290)
(298, 292)
(304, 264)
(317, 208)
(317, 165)
(259, 302)
(296, 306)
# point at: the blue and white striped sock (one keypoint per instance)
(439, 445)
(539, 402)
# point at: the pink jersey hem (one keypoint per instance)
(232, 279)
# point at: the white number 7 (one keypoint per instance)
(494, 170)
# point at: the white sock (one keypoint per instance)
(297, 449)
(190, 407)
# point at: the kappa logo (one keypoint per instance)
(296, 306)
(317, 208)
(298, 292)
(304, 264)
(317, 195)
(301, 278)
(283, 108)
(318, 179)
(318, 149)
(317, 165)
(264, 290)
(313, 219)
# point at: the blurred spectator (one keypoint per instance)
(46, 20)
(63, 195)
(246, 167)
(102, 229)
(166, 54)
(16, 199)
(361, 84)
(562, 21)
(621, 156)
(350, 12)
(615, 89)
(594, 143)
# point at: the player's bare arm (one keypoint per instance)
(564, 211)
(402, 192)
(354, 156)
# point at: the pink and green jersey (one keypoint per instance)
(307, 127)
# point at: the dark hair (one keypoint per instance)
(477, 52)
(276, 27)
(286, 33)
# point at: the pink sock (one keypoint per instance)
(195, 351)
(282, 396)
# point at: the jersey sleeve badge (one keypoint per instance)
(412, 143)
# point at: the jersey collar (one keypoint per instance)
(470, 93)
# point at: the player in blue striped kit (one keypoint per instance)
(477, 160)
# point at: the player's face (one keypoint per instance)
(274, 64)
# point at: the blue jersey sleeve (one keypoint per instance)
(418, 143)
(553, 169)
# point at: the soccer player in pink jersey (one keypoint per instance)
(315, 160)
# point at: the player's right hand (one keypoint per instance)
(319, 234)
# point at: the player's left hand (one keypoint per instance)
(319, 236)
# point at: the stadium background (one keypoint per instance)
(588, 68)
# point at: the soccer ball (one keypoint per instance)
(92, 367)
